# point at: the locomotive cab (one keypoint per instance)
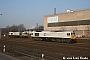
(73, 37)
(25, 34)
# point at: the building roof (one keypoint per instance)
(69, 12)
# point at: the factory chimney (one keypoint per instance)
(37, 26)
(54, 11)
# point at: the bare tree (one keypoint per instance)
(21, 27)
(13, 28)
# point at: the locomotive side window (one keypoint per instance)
(11, 33)
(68, 34)
(36, 34)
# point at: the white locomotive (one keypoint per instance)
(64, 36)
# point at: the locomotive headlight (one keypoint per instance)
(25, 34)
(73, 37)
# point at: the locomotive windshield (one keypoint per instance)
(73, 33)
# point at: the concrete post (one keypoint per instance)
(42, 56)
(4, 48)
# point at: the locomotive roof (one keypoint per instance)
(52, 31)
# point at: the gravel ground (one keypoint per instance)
(52, 50)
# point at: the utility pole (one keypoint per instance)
(29, 29)
(0, 27)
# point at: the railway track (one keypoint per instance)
(52, 50)
(78, 45)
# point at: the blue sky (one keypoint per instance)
(30, 12)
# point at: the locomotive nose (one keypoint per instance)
(73, 37)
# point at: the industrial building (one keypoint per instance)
(79, 21)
